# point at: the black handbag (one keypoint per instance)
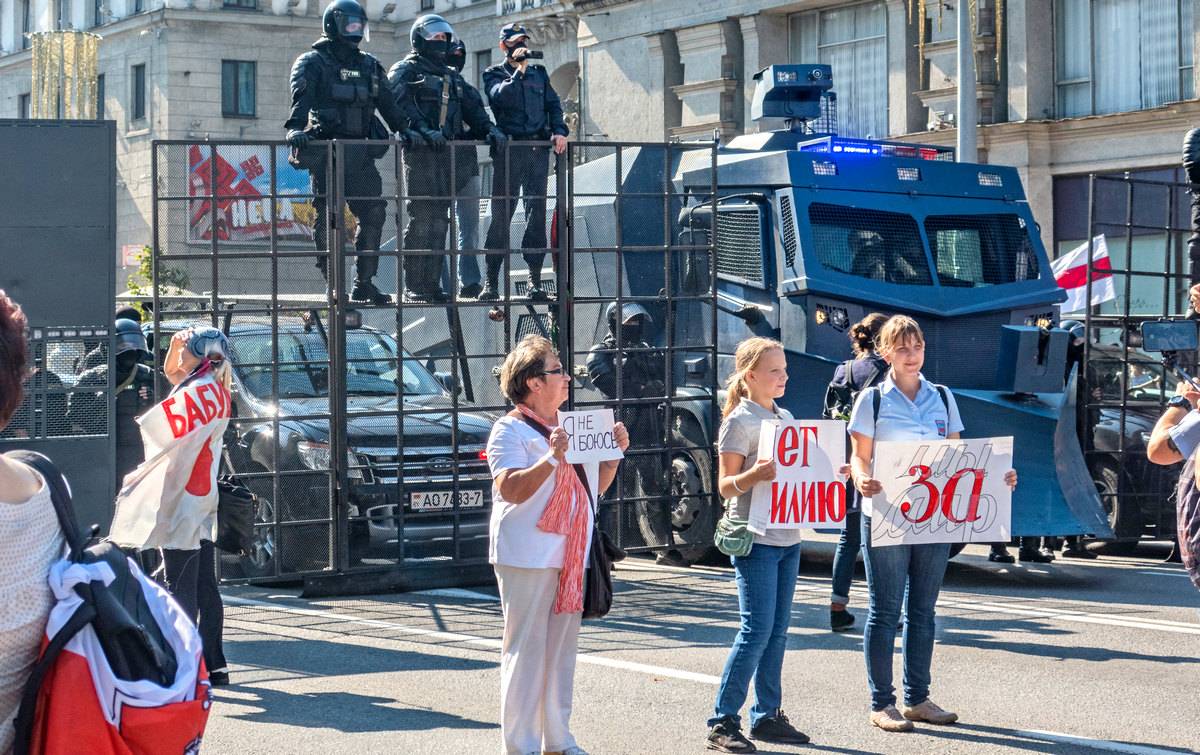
(236, 506)
(597, 578)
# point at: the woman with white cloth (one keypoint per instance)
(541, 527)
(170, 500)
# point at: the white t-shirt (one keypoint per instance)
(513, 535)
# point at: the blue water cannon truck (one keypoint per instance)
(812, 231)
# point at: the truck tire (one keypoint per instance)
(1123, 515)
(695, 511)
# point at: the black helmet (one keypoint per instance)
(422, 41)
(629, 311)
(1075, 330)
(129, 337)
(457, 57)
(345, 20)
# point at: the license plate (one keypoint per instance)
(438, 500)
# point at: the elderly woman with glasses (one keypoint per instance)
(541, 527)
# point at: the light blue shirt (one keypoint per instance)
(1186, 435)
(926, 418)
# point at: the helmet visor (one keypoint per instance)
(354, 27)
(428, 30)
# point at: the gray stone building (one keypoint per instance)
(1065, 87)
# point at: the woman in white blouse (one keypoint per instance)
(542, 518)
(30, 540)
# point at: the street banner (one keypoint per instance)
(1071, 274)
(807, 490)
(942, 491)
(591, 436)
(243, 191)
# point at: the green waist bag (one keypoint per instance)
(731, 536)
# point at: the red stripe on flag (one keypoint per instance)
(1075, 277)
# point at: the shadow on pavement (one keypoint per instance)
(320, 658)
(960, 634)
(994, 735)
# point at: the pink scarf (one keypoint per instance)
(563, 518)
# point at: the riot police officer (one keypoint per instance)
(133, 389)
(642, 375)
(527, 109)
(440, 106)
(336, 89)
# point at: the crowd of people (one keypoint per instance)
(438, 116)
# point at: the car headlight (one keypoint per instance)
(315, 455)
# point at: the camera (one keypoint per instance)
(534, 54)
(1169, 336)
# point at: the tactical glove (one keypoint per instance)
(436, 139)
(497, 139)
(298, 139)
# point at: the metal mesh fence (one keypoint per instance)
(67, 392)
(365, 389)
(873, 244)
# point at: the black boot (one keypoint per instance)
(365, 291)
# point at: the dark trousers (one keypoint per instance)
(427, 182)
(363, 187)
(521, 171)
(191, 577)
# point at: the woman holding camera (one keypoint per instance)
(541, 527)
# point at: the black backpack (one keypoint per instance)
(133, 643)
(841, 394)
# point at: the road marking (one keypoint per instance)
(1095, 744)
(458, 592)
(469, 639)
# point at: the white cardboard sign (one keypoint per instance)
(942, 491)
(591, 436)
(807, 490)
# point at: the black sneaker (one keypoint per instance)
(726, 736)
(779, 730)
(1035, 556)
(365, 291)
(219, 678)
(489, 293)
(1001, 556)
(840, 621)
(470, 291)
(537, 294)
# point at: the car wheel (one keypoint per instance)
(1123, 516)
(261, 560)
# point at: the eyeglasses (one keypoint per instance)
(560, 370)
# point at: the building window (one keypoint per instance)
(483, 61)
(139, 6)
(22, 105)
(26, 23)
(63, 14)
(237, 88)
(97, 12)
(137, 92)
(240, 4)
(852, 39)
(1119, 55)
(100, 97)
(426, 4)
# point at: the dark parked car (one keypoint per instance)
(1137, 495)
(400, 479)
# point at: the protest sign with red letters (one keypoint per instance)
(942, 491)
(807, 490)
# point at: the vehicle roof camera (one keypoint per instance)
(793, 92)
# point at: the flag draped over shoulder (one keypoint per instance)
(170, 500)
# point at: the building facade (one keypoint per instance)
(1065, 87)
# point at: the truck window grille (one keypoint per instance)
(739, 244)
(882, 246)
(538, 325)
(981, 250)
(788, 231)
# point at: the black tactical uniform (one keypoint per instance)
(440, 106)
(336, 89)
(526, 108)
(134, 393)
(643, 375)
(1191, 165)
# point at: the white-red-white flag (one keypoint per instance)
(1070, 271)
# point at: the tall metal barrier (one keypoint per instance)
(360, 423)
(1143, 224)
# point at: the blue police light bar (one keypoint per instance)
(847, 146)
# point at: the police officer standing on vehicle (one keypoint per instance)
(336, 89)
(134, 393)
(642, 375)
(440, 106)
(526, 108)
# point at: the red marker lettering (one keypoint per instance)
(178, 424)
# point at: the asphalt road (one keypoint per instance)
(1074, 657)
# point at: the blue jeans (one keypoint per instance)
(466, 212)
(845, 557)
(890, 570)
(766, 582)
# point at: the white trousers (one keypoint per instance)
(537, 662)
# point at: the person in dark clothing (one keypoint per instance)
(440, 106)
(1191, 166)
(865, 370)
(336, 89)
(526, 108)
(466, 199)
(642, 374)
(133, 389)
